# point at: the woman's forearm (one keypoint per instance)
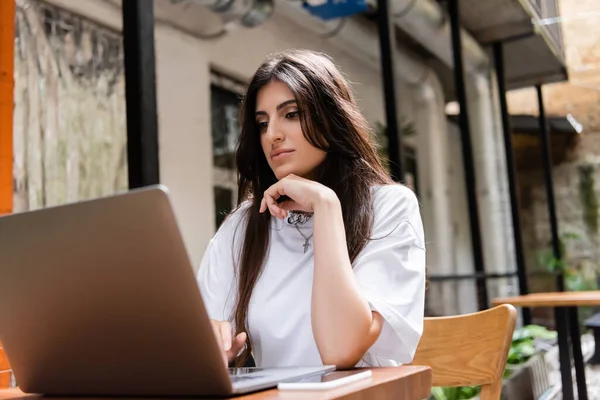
(343, 324)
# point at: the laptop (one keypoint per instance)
(99, 298)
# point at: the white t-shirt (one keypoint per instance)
(390, 271)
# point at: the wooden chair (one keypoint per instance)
(468, 350)
(5, 370)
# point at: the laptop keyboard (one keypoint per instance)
(244, 378)
(245, 374)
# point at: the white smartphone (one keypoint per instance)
(329, 380)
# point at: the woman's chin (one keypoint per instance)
(280, 176)
(305, 171)
(284, 171)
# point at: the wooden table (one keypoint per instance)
(405, 382)
(567, 325)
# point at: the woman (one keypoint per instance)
(323, 262)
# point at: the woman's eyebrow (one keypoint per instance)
(279, 106)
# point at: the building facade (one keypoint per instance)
(70, 135)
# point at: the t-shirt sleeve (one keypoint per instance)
(390, 272)
(216, 276)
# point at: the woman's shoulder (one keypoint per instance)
(239, 213)
(393, 205)
(229, 238)
(394, 196)
(234, 221)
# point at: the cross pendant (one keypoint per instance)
(306, 246)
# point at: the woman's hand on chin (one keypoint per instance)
(305, 195)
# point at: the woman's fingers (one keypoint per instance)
(217, 328)
(237, 346)
(225, 328)
(230, 347)
(291, 205)
(291, 187)
(263, 205)
(272, 204)
(269, 201)
(270, 197)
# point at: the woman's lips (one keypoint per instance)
(280, 153)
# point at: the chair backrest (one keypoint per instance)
(468, 350)
(5, 370)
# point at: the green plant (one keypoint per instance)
(574, 278)
(455, 393)
(547, 260)
(577, 282)
(522, 346)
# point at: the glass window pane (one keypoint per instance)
(223, 201)
(225, 107)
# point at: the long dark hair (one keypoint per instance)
(330, 121)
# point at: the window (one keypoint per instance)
(225, 96)
(225, 126)
(223, 201)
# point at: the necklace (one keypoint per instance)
(297, 217)
(306, 244)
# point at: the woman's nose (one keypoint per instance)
(275, 134)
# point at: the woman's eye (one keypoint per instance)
(262, 125)
(292, 114)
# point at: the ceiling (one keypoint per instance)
(492, 20)
(531, 56)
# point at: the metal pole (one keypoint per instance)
(512, 177)
(7, 84)
(467, 152)
(140, 93)
(578, 362)
(387, 49)
(547, 156)
(561, 315)
(561, 320)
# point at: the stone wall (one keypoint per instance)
(580, 96)
(580, 174)
(69, 117)
(578, 223)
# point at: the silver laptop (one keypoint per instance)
(100, 298)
